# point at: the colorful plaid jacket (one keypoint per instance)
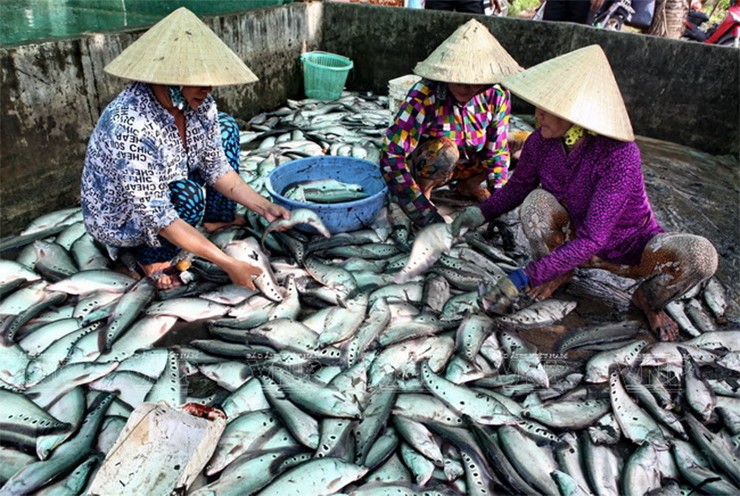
(479, 128)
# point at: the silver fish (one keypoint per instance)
(71, 409)
(319, 476)
(36, 475)
(717, 340)
(605, 431)
(568, 485)
(125, 311)
(597, 368)
(64, 217)
(636, 388)
(698, 395)
(342, 323)
(481, 408)
(245, 475)
(419, 437)
(303, 427)
(694, 467)
(335, 278)
(568, 414)
(602, 466)
(609, 332)
(522, 361)
(53, 261)
(242, 435)
(11, 271)
(20, 414)
(430, 243)
(87, 255)
(540, 313)
(703, 320)
(317, 399)
(534, 463)
(715, 297)
(421, 467)
(299, 216)
(677, 311)
(568, 455)
(140, 336)
(87, 281)
(248, 250)
(636, 425)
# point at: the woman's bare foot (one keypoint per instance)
(659, 322)
(239, 220)
(545, 290)
(157, 272)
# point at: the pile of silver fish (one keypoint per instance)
(361, 365)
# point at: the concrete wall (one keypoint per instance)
(674, 90)
(51, 94)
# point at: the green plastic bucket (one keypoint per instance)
(324, 74)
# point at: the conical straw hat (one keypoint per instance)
(471, 55)
(579, 87)
(180, 50)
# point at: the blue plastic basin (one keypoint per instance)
(338, 217)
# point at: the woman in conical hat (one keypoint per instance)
(159, 143)
(582, 194)
(452, 125)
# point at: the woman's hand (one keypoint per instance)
(232, 186)
(273, 211)
(182, 234)
(470, 218)
(241, 273)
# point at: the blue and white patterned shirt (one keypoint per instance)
(133, 154)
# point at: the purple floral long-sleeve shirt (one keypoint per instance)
(602, 188)
(479, 127)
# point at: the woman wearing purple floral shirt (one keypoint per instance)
(582, 194)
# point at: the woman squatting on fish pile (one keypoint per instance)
(579, 180)
(159, 143)
(453, 125)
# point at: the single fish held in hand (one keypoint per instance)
(297, 216)
(247, 250)
(431, 242)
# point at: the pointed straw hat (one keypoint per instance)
(471, 55)
(180, 50)
(578, 87)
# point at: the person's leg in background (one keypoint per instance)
(567, 11)
(469, 6)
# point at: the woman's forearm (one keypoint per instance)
(233, 186)
(185, 236)
(188, 238)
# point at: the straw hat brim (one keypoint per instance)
(470, 55)
(579, 87)
(181, 50)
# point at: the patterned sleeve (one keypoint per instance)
(619, 171)
(401, 138)
(497, 147)
(213, 163)
(143, 183)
